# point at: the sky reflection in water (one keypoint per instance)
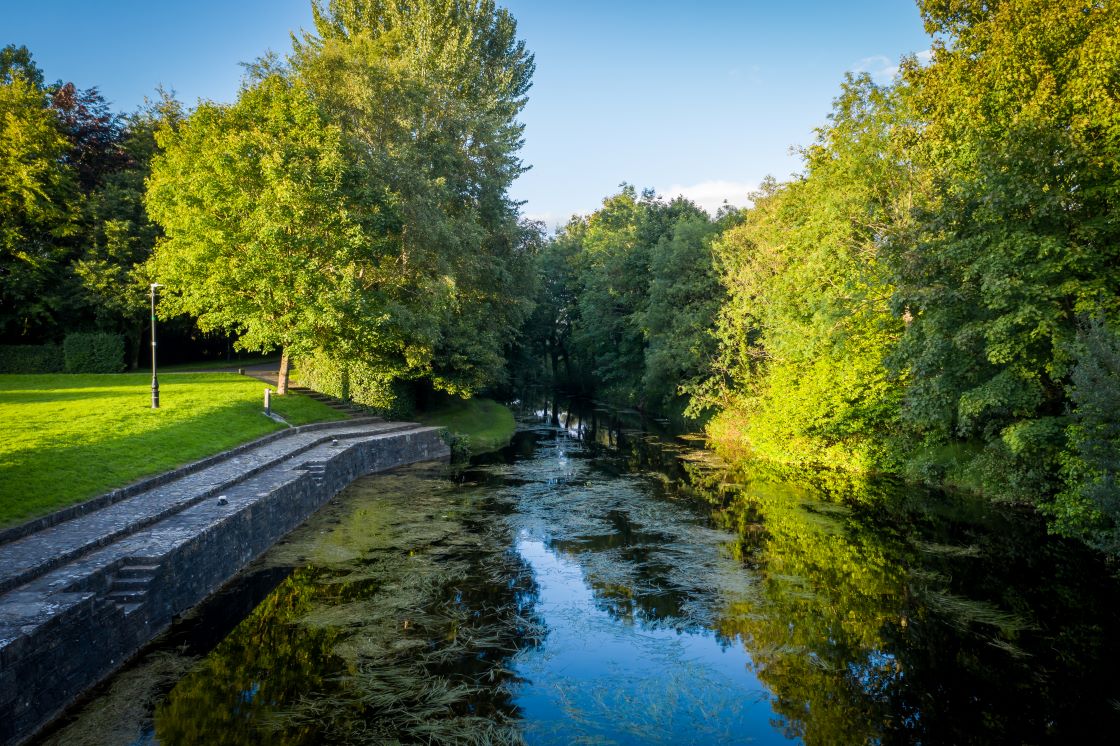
(621, 589)
(597, 678)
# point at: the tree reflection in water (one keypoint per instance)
(397, 625)
(600, 583)
(890, 614)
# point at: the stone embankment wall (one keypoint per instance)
(97, 626)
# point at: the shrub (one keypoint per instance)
(31, 359)
(94, 353)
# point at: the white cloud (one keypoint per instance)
(711, 195)
(553, 221)
(883, 70)
(548, 218)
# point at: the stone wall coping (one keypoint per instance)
(70, 512)
(68, 629)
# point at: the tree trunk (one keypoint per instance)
(282, 378)
(135, 342)
(554, 355)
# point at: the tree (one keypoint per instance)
(1089, 505)
(95, 134)
(428, 93)
(684, 299)
(258, 204)
(120, 237)
(16, 62)
(37, 200)
(614, 279)
(1021, 133)
(801, 375)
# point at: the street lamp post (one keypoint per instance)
(155, 381)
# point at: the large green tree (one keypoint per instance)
(262, 213)
(428, 93)
(801, 375)
(1021, 134)
(38, 200)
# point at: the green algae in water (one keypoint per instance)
(123, 714)
(574, 593)
(396, 627)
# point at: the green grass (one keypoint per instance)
(486, 423)
(66, 438)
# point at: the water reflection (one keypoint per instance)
(882, 613)
(596, 681)
(597, 583)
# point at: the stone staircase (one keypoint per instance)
(341, 405)
(129, 585)
(317, 470)
(79, 593)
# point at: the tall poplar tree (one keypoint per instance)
(428, 93)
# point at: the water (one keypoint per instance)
(599, 585)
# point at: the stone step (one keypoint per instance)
(129, 584)
(137, 571)
(317, 470)
(333, 402)
(25, 559)
(46, 659)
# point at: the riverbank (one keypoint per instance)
(476, 425)
(597, 582)
(78, 598)
(67, 438)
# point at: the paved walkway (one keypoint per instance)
(80, 597)
(25, 559)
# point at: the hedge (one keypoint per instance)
(94, 353)
(31, 359)
(356, 382)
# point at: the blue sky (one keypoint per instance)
(703, 98)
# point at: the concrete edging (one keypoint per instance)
(66, 632)
(61, 515)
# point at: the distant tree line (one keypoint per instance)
(74, 234)
(935, 293)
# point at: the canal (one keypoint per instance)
(595, 583)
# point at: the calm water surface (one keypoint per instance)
(600, 585)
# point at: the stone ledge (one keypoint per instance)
(27, 558)
(63, 633)
(70, 512)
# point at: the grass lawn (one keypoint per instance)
(65, 438)
(486, 423)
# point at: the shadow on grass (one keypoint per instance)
(46, 397)
(46, 388)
